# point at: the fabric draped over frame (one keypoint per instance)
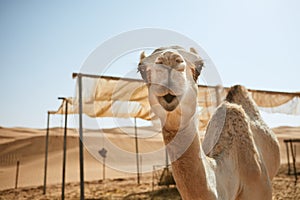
(128, 98)
(277, 102)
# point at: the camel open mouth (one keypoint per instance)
(169, 102)
(169, 98)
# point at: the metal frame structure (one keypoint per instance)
(79, 77)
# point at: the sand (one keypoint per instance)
(284, 188)
(28, 146)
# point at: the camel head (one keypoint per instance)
(171, 75)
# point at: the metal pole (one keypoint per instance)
(167, 159)
(294, 159)
(17, 174)
(218, 97)
(137, 152)
(141, 164)
(64, 149)
(80, 138)
(288, 155)
(46, 154)
(103, 168)
(103, 153)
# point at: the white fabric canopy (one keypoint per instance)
(124, 98)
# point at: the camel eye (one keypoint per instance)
(159, 61)
(179, 60)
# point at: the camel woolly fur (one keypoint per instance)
(239, 155)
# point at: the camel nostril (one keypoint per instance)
(169, 98)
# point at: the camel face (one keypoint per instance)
(168, 79)
(169, 74)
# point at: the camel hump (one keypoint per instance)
(239, 94)
(229, 128)
(219, 134)
(265, 140)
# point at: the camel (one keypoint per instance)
(232, 162)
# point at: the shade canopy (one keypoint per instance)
(128, 98)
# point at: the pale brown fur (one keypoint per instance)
(265, 139)
(235, 167)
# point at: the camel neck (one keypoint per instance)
(188, 160)
(180, 137)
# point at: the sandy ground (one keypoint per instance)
(108, 189)
(284, 188)
(28, 146)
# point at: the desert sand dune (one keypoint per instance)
(28, 146)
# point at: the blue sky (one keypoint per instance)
(254, 43)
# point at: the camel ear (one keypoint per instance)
(142, 56)
(193, 57)
(197, 70)
(198, 62)
(193, 50)
(142, 68)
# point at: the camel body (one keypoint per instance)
(239, 155)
